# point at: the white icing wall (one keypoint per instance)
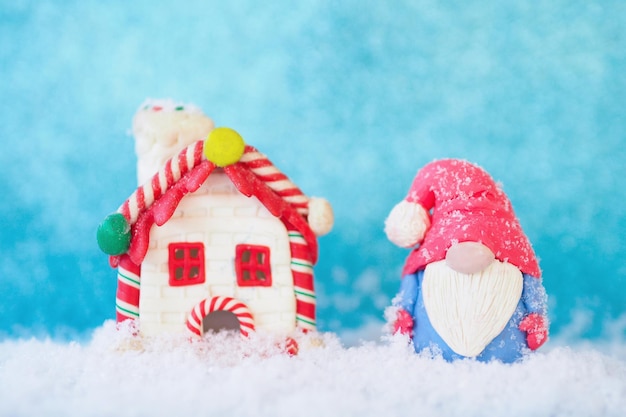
(220, 217)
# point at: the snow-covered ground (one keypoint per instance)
(226, 376)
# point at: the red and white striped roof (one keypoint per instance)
(253, 175)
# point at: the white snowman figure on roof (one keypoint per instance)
(161, 129)
(471, 287)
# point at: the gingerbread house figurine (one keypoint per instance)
(215, 236)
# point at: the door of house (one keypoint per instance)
(220, 320)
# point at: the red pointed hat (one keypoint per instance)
(453, 201)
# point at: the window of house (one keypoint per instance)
(186, 263)
(252, 264)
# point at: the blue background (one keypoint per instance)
(349, 99)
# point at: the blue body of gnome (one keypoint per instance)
(509, 346)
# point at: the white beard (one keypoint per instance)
(469, 311)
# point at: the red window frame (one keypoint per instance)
(252, 265)
(186, 263)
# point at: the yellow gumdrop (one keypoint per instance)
(224, 146)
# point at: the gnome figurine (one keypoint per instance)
(471, 287)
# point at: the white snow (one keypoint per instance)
(227, 376)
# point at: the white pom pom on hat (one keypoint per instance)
(407, 224)
(320, 216)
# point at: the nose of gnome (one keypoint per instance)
(469, 257)
(220, 320)
(224, 146)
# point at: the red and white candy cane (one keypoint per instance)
(220, 303)
(275, 179)
(175, 168)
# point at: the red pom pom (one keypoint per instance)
(290, 347)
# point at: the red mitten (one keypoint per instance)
(536, 329)
(403, 323)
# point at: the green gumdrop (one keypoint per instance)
(114, 234)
